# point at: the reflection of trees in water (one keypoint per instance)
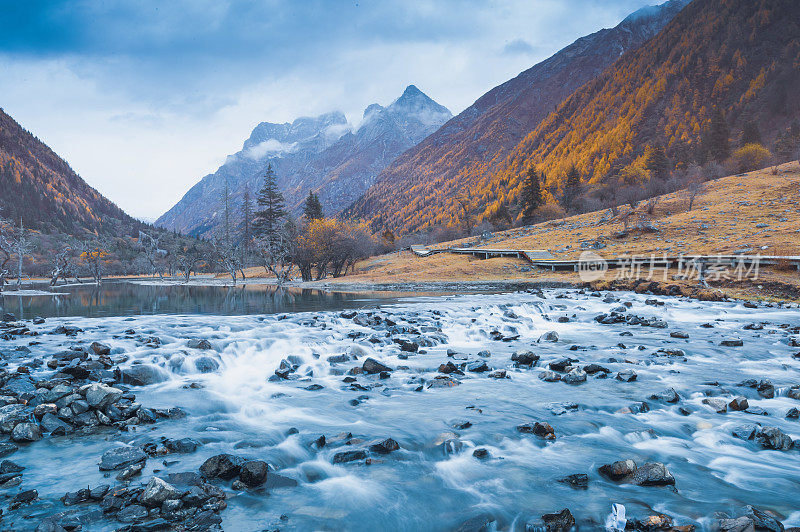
(122, 298)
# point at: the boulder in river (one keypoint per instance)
(100, 349)
(541, 429)
(372, 366)
(349, 456)
(201, 344)
(652, 474)
(384, 446)
(576, 376)
(563, 521)
(100, 396)
(719, 405)
(222, 466)
(618, 470)
(549, 376)
(142, 375)
(626, 375)
(668, 396)
(739, 403)
(122, 456)
(26, 432)
(773, 438)
(157, 491)
(576, 480)
(254, 473)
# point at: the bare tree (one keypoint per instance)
(227, 256)
(62, 265)
(276, 253)
(6, 249)
(22, 247)
(189, 257)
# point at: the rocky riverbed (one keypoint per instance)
(526, 411)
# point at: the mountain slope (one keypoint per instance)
(475, 141)
(740, 57)
(40, 187)
(320, 154)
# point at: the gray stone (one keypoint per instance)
(142, 375)
(98, 396)
(206, 365)
(26, 432)
(157, 491)
(652, 474)
(253, 473)
(122, 456)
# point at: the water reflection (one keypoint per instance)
(125, 299)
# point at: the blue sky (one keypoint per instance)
(142, 96)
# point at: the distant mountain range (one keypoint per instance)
(324, 154)
(421, 186)
(41, 188)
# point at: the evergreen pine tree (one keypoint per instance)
(719, 137)
(272, 208)
(313, 207)
(751, 134)
(572, 188)
(531, 194)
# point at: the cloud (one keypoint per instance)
(149, 95)
(269, 148)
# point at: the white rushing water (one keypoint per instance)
(237, 406)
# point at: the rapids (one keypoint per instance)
(236, 405)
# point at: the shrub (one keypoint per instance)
(751, 157)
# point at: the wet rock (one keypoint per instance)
(384, 446)
(793, 413)
(157, 491)
(543, 430)
(576, 376)
(222, 466)
(120, 457)
(182, 445)
(443, 382)
(732, 342)
(481, 454)
(449, 368)
(24, 497)
(745, 432)
(100, 349)
(762, 520)
(99, 396)
(739, 403)
(718, 405)
(206, 365)
(253, 473)
(561, 365)
(372, 366)
(134, 512)
(142, 375)
(155, 525)
(26, 432)
(626, 375)
(7, 449)
(668, 396)
(349, 456)
(550, 336)
(577, 480)
(652, 474)
(201, 344)
(479, 366)
(525, 358)
(773, 438)
(618, 470)
(739, 524)
(635, 408)
(549, 376)
(560, 522)
(765, 389)
(679, 334)
(591, 369)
